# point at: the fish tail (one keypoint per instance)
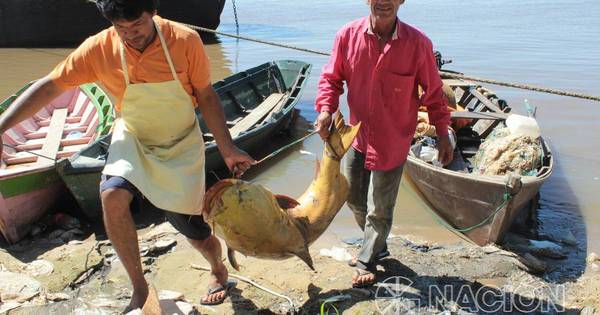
(341, 136)
(305, 257)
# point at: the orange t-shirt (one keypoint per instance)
(98, 59)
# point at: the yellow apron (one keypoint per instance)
(157, 144)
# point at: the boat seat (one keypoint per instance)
(26, 157)
(70, 120)
(42, 134)
(36, 144)
(257, 114)
(70, 150)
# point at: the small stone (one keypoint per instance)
(592, 258)
(55, 297)
(186, 308)
(7, 306)
(490, 249)
(163, 245)
(20, 287)
(508, 254)
(170, 295)
(144, 250)
(596, 267)
(39, 267)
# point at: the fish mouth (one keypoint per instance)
(215, 192)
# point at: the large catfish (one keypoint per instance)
(254, 221)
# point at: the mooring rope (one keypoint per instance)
(445, 73)
(237, 24)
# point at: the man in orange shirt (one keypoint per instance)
(158, 72)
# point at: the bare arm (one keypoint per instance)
(237, 160)
(30, 102)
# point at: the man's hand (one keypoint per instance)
(1, 147)
(322, 124)
(445, 151)
(238, 161)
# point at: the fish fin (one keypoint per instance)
(317, 168)
(231, 257)
(341, 136)
(286, 202)
(304, 255)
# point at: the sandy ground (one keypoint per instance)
(85, 277)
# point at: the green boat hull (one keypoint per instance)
(82, 172)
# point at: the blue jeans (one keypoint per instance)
(382, 186)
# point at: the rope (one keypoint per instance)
(523, 86)
(286, 147)
(203, 29)
(445, 73)
(506, 198)
(237, 25)
(293, 310)
(234, 171)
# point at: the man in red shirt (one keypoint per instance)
(383, 61)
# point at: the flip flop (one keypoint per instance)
(219, 288)
(362, 272)
(386, 253)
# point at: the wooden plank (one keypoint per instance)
(455, 82)
(478, 115)
(54, 135)
(279, 106)
(256, 114)
(486, 101)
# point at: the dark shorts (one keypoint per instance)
(191, 226)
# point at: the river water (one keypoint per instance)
(547, 43)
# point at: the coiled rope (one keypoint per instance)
(445, 73)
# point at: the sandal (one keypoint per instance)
(219, 288)
(360, 273)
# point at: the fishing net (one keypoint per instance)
(503, 153)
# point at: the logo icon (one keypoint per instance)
(395, 295)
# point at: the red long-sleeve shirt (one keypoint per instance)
(382, 89)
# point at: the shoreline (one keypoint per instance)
(87, 276)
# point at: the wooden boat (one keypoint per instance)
(474, 204)
(29, 183)
(257, 103)
(66, 23)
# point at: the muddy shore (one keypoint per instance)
(71, 272)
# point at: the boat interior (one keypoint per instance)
(485, 111)
(60, 129)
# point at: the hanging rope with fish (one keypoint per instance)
(445, 73)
